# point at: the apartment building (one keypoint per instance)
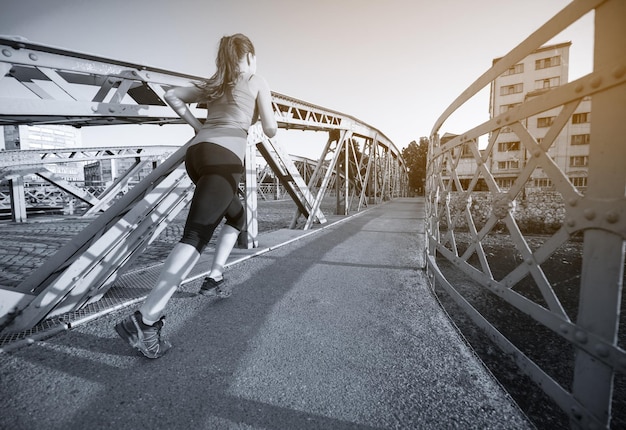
(541, 71)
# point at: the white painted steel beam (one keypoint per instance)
(40, 84)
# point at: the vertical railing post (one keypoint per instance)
(338, 208)
(432, 193)
(375, 147)
(603, 253)
(18, 200)
(248, 238)
(346, 172)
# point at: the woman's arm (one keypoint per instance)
(178, 98)
(264, 105)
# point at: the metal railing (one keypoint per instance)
(461, 257)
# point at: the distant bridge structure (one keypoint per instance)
(578, 318)
(49, 85)
(18, 195)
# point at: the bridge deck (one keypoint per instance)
(337, 329)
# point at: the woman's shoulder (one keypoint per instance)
(256, 82)
(255, 78)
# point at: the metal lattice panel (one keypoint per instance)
(461, 257)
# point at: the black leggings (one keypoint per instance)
(216, 172)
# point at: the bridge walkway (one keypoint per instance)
(333, 328)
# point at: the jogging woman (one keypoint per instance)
(235, 97)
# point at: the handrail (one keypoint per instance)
(570, 14)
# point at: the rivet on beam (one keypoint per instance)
(612, 217)
(619, 71)
(581, 336)
(589, 213)
(602, 350)
(596, 82)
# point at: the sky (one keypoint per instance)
(393, 64)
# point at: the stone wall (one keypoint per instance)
(536, 211)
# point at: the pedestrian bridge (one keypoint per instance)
(576, 350)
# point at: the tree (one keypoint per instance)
(415, 158)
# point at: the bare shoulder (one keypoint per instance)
(258, 83)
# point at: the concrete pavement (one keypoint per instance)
(330, 329)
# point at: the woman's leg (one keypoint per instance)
(235, 220)
(142, 330)
(175, 269)
(211, 200)
(225, 244)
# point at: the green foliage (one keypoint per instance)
(415, 158)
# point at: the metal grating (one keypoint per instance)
(131, 288)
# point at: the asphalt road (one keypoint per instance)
(335, 330)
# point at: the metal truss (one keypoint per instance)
(11, 161)
(598, 216)
(269, 187)
(40, 84)
(17, 163)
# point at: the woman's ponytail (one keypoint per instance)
(231, 49)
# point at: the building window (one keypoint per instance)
(544, 63)
(579, 181)
(542, 84)
(518, 68)
(508, 146)
(580, 139)
(508, 165)
(505, 108)
(546, 121)
(467, 151)
(542, 182)
(578, 161)
(511, 89)
(505, 182)
(580, 118)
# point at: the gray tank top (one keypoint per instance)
(229, 118)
